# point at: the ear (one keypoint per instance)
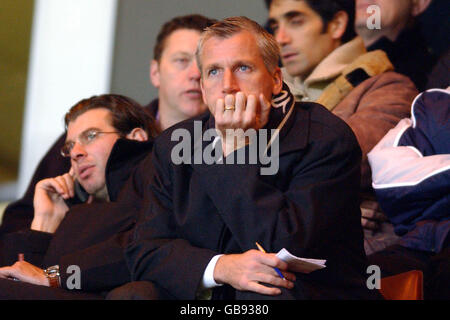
(336, 27)
(154, 73)
(277, 81)
(137, 134)
(419, 6)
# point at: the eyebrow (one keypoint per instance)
(287, 15)
(181, 53)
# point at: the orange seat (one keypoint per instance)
(403, 286)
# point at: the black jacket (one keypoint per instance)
(310, 207)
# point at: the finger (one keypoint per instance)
(6, 272)
(274, 279)
(372, 214)
(72, 172)
(52, 186)
(218, 111)
(250, 111)
(264, 111)
(229, 101)
(289, 276)
(262, 289)
(62, 183)
(69, 180)
(240, 103)
(368, 204)
(271, 260)
(368, 224)
(265, 104)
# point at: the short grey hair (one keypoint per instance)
(268, 46)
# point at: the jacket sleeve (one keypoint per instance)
(101, 266)
(19, 214)
(33, 244)
(373, 108)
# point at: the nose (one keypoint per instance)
(194, 72)
(78, 152)
(282, 36)
(230, 85)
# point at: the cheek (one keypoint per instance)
(171, 79)
(103, 152)
(210, 92)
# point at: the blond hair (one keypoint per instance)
(229, 27)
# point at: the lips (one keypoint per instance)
(288, 56)
(193, 93)
(84, 171)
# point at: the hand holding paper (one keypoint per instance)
(302, 265)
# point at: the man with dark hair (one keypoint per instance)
(325, 63)
(203, 218)
(173, 71)
(106, 138)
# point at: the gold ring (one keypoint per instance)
(230, 107)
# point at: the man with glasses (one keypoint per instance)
(173, 71)
(106, 138)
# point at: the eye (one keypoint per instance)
(244, 68)
(91, 135)
(296, 21)
(213, 72)
(181, 60)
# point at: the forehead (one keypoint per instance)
(96, 118)
(391, 5)
(181, 40)
(279, 8)
(386, 6)
(240, 46)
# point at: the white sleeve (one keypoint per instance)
(208, 277)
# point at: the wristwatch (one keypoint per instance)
(53, 276)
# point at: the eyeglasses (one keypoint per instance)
(84, 139)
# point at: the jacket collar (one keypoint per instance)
(336, 61)
(124, 156)
(326, 71)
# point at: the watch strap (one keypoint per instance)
(53, 276)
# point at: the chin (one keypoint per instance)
(92, 187)
(194, 110)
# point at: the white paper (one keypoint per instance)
(302, 265)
